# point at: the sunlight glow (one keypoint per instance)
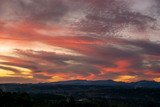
(157, 79)
(125, 78)
(56, 79)
(24, 71)
(5, 73)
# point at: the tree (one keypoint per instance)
(1, 90)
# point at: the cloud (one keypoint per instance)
(109, 17)
(86, 39)
(33, 10)
(41, 76)
(148, 47)
(17, 80)
(104, 61)
(9, 69)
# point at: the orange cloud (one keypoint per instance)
(126, 78)
(157, 79)
(120, 66)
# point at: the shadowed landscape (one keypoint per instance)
(81, 93)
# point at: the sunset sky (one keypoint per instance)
(56, 40)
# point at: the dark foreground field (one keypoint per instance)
(94, 98)
(81, 94)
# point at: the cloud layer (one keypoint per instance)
(56, 40)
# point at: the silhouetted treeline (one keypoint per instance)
(13, 99)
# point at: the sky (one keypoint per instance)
(59, 40)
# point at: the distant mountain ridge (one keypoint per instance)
(86, 82)
(77, 85)
(139, 84)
